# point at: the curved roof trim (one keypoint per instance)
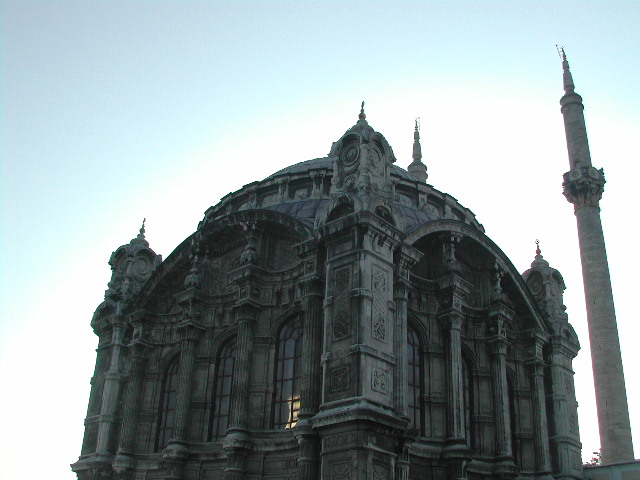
(260, 216)
(444, 225)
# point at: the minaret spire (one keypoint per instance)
(417, 168)
(583, 186)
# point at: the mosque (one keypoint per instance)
(344, 319)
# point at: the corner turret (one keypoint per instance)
(131, 265)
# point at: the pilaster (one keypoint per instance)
(139, 348)
(112, 389)
(175, 455)
(499, 317)
(313, 292)
(237, 443)
(451, 294)
(358, 422)
(536, 366)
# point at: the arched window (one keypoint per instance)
(467, 386)
(221, 404)
(288, 375)
(167, 411)
(414, 380)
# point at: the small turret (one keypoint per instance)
(417, 168)
(131, 265)
(547, 285)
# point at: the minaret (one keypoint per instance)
(583, 186)
(417, 168)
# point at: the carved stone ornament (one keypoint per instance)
(341, 326)
(339, 379)
(583, 186)
(379, 329)
(379, 381)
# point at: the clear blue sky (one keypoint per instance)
(113, 111)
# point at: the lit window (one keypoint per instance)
(167, 405)
(288, 375)
(221, 406)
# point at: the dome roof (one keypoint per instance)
(301, 191)
(360, 164)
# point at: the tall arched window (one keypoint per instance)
(467, 386)
(288, 375)
(221, 404)
(166, 414)
(414, 380)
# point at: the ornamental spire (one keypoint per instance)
(417, 168)
(140, 239)
(567, 78)
(539, 260)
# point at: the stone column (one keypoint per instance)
(540, 425)
(311, 388)
(453, 290)
(176, 452)
(498, 344)
(563, 416)
(400, 298)
(125, 460)
(543, 459)
(455, 388)
(238, 442)
(499, 317)
(501, 399)
(111, 392)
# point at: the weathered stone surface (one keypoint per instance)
(311, 281)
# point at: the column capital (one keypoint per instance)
(312, 286)
(246, 311)
(583, 186)
(451, 294)
(189, 331)
(499, 346)
(451, 322)
(536, 340)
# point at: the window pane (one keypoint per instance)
(167, 405)
(288, 375)
(221, 402)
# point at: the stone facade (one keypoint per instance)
(341, 319)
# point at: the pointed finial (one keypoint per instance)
(417, 168)
(567, 79)
(538, 251)
(140, 240)
(362, 116)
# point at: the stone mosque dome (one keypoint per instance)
(339, 319)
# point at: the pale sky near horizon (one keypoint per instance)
(113, 111)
